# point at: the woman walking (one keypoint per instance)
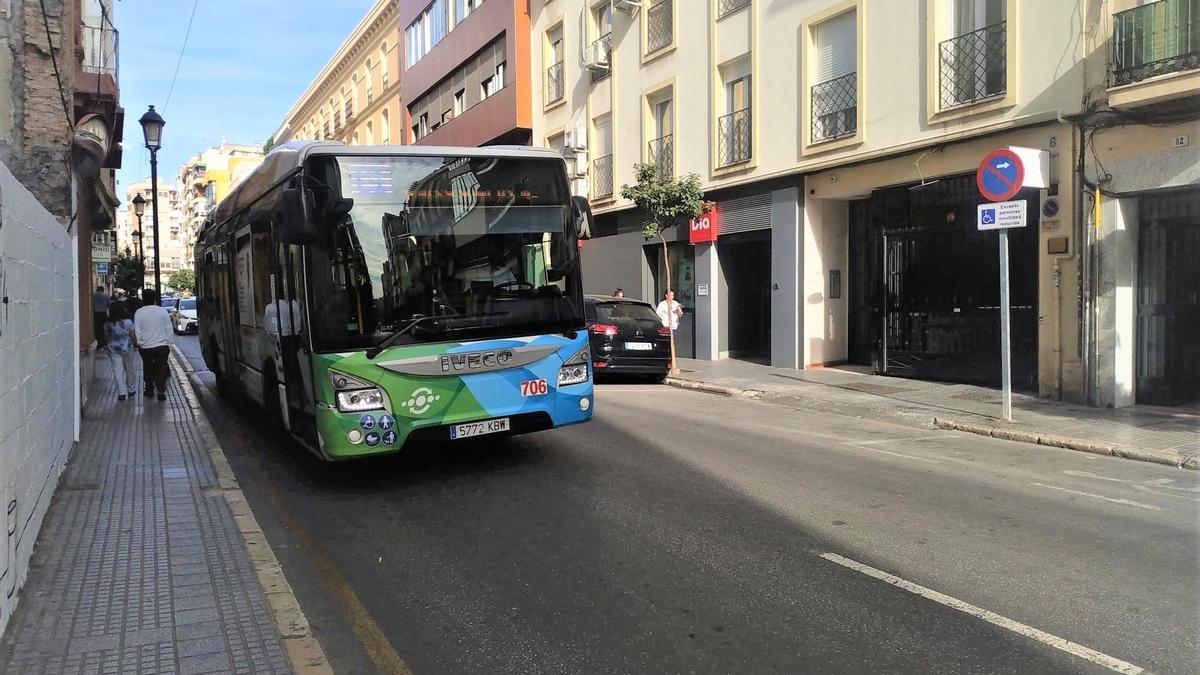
(119, 334)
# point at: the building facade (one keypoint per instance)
(205, 180)
(839, 141)
(174, 241)
(355, 98)
(466, 72)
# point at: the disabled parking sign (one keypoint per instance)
(1000, 176)
(1002, 215)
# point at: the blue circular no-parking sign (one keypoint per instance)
(1000, 175)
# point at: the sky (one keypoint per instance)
(246, 63)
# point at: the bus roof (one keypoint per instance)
(287, 158)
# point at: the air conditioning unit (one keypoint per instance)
(577, 166)
(595, 57)
(630, 7)
(575, 139)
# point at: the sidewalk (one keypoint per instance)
(1164, 435)
(141, 566)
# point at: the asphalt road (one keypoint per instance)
(682, 532)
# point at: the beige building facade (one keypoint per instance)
(173, 244)
(355, 98)
(205, 180)
(840, 140)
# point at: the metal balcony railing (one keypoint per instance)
(349, 110)
(726, 7)
(555, 83)
(602, 176)
(101, 51)
(659, 28)
(973, 66)
(734, 137)
(337, 119)
(1155, 39)
(662, 155)
(835, 108)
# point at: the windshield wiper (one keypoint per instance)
(391, 339)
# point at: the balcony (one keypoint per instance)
(662, 155)
(973, 67)
(349, 111)
(734, 138)
(555, 83)
(835, 108)
(1155, 39)
(659, 28)
(602, 177)
(101, 53)
(727, 7)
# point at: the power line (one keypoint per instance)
(182, 49)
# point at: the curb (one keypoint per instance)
(731, 392)
(304, 652)
(1082, 445)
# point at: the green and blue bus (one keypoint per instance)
(369, 298)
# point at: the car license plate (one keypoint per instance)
(479, 428)
(639, 346)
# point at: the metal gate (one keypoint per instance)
(1168, 314)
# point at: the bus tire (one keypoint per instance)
(223, 388)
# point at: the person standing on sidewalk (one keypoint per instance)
(153, 334)
(100, 302)
(119, 335)
(669, 311)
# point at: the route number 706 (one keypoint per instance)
(534, 388)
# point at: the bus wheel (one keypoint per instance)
(223, 389)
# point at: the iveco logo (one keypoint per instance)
(489, 360)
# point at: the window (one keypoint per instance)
(734, 132)
(385, 128)
(973, 60)
(370, 82)
(834, 97)
(1155, 38)
(661, 151)
(383, 66)
(463, 9)
(354, 92)
(659, 28)
(602, 166)
(555, 81)
(426, 31)
(727, 7)
(370, 134)
(423, 125)
(447, 116)
(557, 143)
(493, 84)
(460, 102)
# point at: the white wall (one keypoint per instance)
(825, 247)
(37, 402)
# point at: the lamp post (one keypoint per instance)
(139, 207)
(152, 126)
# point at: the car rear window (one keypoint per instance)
(615, 311)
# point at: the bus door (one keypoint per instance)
(294, 345)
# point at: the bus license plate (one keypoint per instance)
(639, 346)
(479, 428)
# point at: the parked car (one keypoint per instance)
(183, 315)
(626, 338)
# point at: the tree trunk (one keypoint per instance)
(670, 312)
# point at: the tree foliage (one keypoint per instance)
(269, 144)
(129, 272)
(183, 280)
(665, 201)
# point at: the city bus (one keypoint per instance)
(371, 298)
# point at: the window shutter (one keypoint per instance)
(835, 45)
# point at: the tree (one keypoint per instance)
(130, 273)
(269, 144)
(667, 202)
(183, 280)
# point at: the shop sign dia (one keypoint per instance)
(706, 228)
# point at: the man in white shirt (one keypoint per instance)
(669, 311)
(153, 333)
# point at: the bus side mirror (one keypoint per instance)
(581, 212)
(299, 223)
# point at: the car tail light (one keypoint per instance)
(664, 331)
(604, 329)
(599, 364)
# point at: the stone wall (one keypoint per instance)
(37, 343)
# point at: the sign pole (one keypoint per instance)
(1005, 331)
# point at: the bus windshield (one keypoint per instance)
(438, 249)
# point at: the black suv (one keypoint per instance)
(627, 338)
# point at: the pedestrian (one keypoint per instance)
(100, 302)
(153, 335)
(119, 335)
(619, 293)
(669, 311)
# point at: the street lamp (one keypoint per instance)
(152, 126)
(139, 207)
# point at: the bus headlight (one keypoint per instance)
(360, 400)
(575, 370)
